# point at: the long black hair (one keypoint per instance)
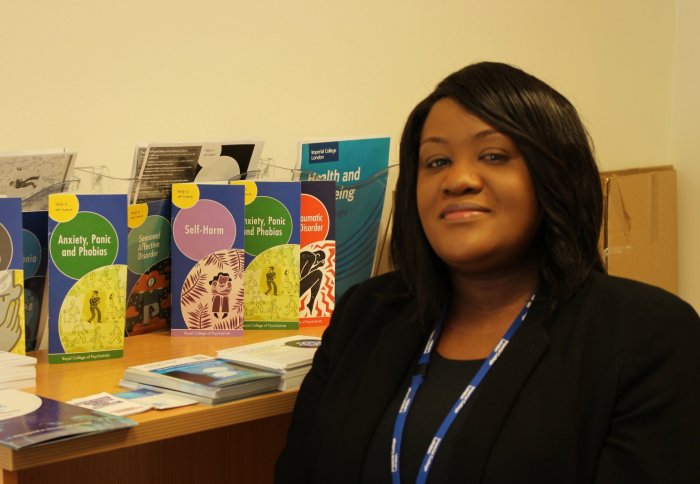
(559, 155)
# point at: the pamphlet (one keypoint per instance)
(111, 404)
(33, 175)
(317, 253)
(272, 254)
(87, 277)
(12, 329)
(161, 165)
(149, 264)
(359, 168)
(279, 355)
(208, 260)
(203, 375)
(35, 228)
(27, 420)
(154, 399)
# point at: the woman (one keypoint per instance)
(499, 352)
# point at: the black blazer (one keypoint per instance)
(605, 390)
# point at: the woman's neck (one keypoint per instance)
(481, 310)
(492, 293)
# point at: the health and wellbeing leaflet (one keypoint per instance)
(359, 168)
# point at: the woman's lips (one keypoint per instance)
(460, 211)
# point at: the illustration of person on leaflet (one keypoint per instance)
(270, 278)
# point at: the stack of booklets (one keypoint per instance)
(290, 357)
(203, 378)
(17, 371)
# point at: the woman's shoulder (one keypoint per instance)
(627, 291)
(639, 304)
(383, 288)
(373, 303)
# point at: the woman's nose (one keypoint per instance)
(462, 177)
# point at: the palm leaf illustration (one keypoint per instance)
(199, 317)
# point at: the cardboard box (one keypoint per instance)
(639, 235)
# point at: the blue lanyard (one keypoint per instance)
(449, 419)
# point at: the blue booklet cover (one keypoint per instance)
(12, 330)
(149, 263)
(87, 276)
(272, 254)
(35, 227)
(359, 168)
(27, 420)
(201, 375)
(208, 260)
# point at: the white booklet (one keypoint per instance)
(280, 355)
(157, 400)
(33, 175)
(111, 404)
(157, 166)
(8, 359)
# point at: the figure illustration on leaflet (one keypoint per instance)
(95, 308)
(311, 274)
(270, 277)
(220, 291)
(19, 183)
(10, 329)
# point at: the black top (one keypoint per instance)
(444, 382)
(605, 389)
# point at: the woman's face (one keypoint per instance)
(475, 196)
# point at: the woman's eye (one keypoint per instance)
(494, 158)
(437, 162)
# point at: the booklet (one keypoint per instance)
(12, 329)
(149, 263)
(272, 254)
(27, 420)
(160, 165)
(87, 276)
(15, 367)
(279, 355)
(359, 168)
(203, 375)
(35, 228)
(190, 397)
(317, 253)
(8, 360)
(112, 404)
(208, 260)
(33, 175)
(154, 399)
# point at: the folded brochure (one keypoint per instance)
(27, 419)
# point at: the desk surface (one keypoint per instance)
(73, 380)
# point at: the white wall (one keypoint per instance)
(100, 76)
(686, 146)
